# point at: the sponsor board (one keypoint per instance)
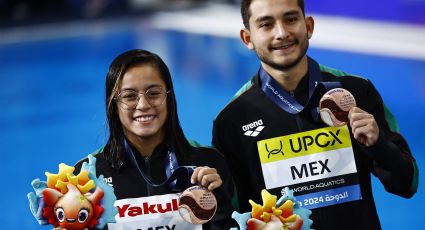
(323, 159)
(150, 213)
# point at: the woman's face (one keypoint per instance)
(145, 119)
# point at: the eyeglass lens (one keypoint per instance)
(154, 96)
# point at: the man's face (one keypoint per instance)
(278, 32)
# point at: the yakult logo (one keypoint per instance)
(256, 125)
(150, 213)
(147, 208)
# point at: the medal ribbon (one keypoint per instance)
(316, 88)
(178, 177)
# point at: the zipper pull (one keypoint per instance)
(292, 94)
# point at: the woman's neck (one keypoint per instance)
(145, 145)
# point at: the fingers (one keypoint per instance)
(366, 135)
(363, 126)
(254, 224)
(206, 177)
(215, 183)
(194, 177)
(357, 114)
(273, 224)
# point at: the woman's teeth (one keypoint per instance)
(145, 118)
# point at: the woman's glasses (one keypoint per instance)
(155, 96)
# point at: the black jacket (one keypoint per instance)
(128, 183)
(390, 159)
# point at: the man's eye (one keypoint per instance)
(292, 19)
(264, 25)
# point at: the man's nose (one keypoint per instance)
(281, 31)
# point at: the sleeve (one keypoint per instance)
(223, 216)
(221, 137)
(394, 164)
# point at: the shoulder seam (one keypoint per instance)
(337, 72)
(94, 153)
(238, 93)
(389, 117)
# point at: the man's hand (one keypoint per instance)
(206, 177)
(363, 126)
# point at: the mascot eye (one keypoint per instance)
(60, 214)
(83, 215)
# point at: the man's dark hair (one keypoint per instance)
(246, 13)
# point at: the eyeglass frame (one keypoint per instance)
(144, 95)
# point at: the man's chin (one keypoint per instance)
(284, 65)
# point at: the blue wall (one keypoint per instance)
(405, 11)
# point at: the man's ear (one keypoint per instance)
(309, 23)
(245, 35)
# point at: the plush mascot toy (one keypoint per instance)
(73, 202)
(274, 214)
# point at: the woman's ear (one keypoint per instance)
(245, 35)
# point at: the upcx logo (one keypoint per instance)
(253, 129)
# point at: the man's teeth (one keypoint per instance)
(145, 118)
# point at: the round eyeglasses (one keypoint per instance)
(155, 96)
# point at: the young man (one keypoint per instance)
(272, 138)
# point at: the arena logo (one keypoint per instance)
(146, 208)
(108, 180)
(253, 129)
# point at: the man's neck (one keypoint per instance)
(288, 79)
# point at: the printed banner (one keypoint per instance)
(312, 162)
(150, 213)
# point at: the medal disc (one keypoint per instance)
(335, 105)
(197, 205)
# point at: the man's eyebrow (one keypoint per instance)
(291, 13)
(263, 18)
(286, 14)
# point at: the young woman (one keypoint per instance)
(146, 144)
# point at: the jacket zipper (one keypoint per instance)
(148, 170)
(297, 117)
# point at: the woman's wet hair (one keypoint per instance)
(173, 132)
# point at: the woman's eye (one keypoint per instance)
(129, 95)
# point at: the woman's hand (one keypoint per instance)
(206, 177)
(273, 224)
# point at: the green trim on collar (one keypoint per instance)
(336, 72)
(244, 88)
(194, 143)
